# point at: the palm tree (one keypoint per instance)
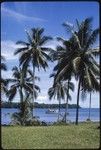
(90, 96)
(4, 82)
(23, 116)
(21, 84)
(34, 51)
(95, 86)
(69, 86)
(58, 91)
(63, 71)
(80, 55)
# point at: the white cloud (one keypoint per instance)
(18, 16)
(8, 48)
(6, 74)
(42, 97)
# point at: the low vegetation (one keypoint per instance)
(85, 135)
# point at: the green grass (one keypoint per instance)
(85, 135)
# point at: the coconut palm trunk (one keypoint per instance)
(66, 110)
(21, 102)
(77, 109)
(59, 110)
(89, 106)
(33, 91)
(21, 95)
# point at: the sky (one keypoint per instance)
(16, 17)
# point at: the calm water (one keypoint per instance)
(83, 114)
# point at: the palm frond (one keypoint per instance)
(60, 39)
(3, 67)
(11, 93)
(22, 43)
(76, 63)
(29, 37)
(24, 57)
(92, 39)
(19, 50)
(44, 40)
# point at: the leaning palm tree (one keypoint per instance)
(34, 51)
(22, 84)
(82, 54)
(58, 91)
(68, 85)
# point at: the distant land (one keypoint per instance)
(36, 105)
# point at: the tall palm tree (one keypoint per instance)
(34, 51)
(84, 62)
(81, 55)
(21, 84)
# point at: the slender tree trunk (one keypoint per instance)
(66, 110)
(21, 104)
(77, 109)
(89, 106)
(21, 95)
(59, 109)
(33, 91)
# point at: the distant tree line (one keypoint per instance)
(37, 105)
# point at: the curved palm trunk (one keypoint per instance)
(21, 104)
(66, 110)
(77, 109)
(89, 106)
(32, 105)
(59, 109)
(21, 95)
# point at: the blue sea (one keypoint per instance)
(43, 116)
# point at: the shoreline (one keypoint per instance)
(53, 124)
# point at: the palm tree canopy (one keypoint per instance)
(59, 90)
(34, 50)
(21, 81)
(77, 54)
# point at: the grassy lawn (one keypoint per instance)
(85, 135)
